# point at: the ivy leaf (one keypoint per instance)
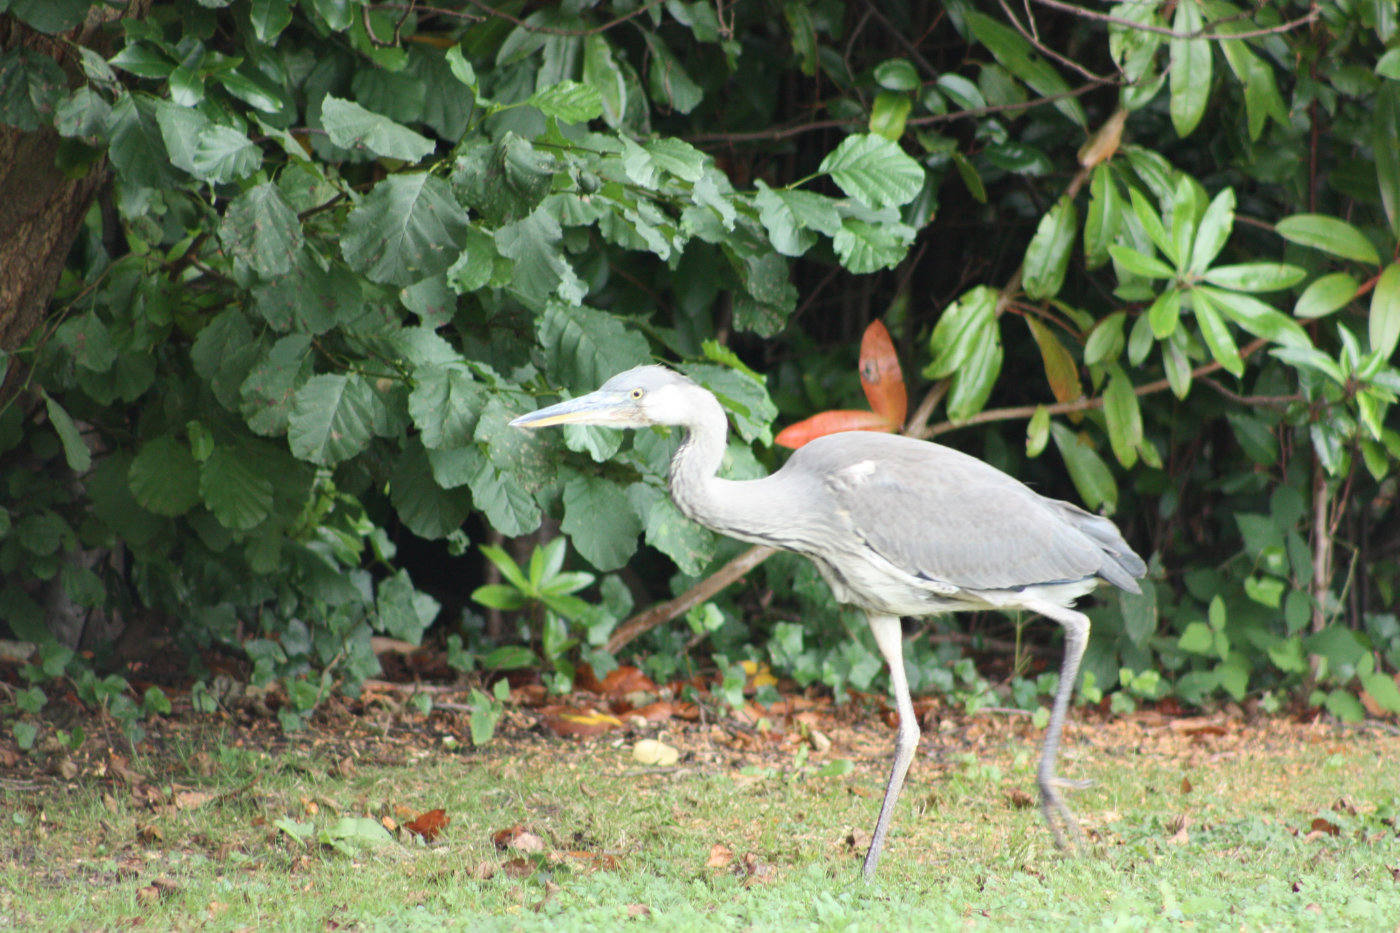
(261, 230)
(874, 170)
(408, 228)
(239, 498)
(333, 418)
(600, 521)
(164, 477)
(351, 126)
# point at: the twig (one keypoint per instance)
(664, 612)
(1173, 34)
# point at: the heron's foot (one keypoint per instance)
(1063, 824)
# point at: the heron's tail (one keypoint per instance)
(1122, 566)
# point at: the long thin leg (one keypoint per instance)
(890, 639)
(1076, 626)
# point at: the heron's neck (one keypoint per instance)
(737, 509)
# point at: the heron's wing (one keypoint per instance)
(942, 515)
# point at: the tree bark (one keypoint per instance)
(41, 208)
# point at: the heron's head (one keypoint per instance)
(636, 398)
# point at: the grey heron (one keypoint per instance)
(896, 526)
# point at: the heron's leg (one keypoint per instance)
(890, 639)
(1076, 626)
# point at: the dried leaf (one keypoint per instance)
(623, 681)
(638, 910)
(1019, 799)
(518, 839)
(1199, 725)
(191, 799)
(519, 868)
(720, 856)
(571, 722)
(660, 711)
(1322, 825)
(586, 861)
(831, 422)
(881, 377)
(428, 825)
(1186, 785)
(653, 752)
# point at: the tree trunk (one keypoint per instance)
(41, 208)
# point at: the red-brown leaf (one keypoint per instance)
(880, 376)
(624, 680)
(831, 422)
(428, 825)
(575, 723)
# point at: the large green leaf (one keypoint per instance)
(424, 507)
(404, 612)
(406, 229)
(238, 495)
(1190, 68)
(164, 477)
(584, 347)
(1329, 234)
(569, 101)
(690, 545)
(333, 417)
(1016, 56)
(1255, 276)
(353, 127)
(541, 271)
(261, 230)
(874, 170)
(75, 449)
(444, 405)
(1326, 294)
(600, 521)
(1254, 316)
(960, 327)
(1217, 335)
(1087, 470)
(1384, 321)
(1047, 256)
(1124, 418)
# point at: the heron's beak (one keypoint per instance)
(601, 408)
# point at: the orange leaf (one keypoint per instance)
(568, 721)
(428, 825)
(624, 680)
(880, 375)
(831, 422)
(720, 856)
(1060, 369)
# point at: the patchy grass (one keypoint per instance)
(1274, 825)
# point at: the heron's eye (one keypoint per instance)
(638, 393)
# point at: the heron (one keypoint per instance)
(897, 527)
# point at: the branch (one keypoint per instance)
(1201, 33)
(664, 612)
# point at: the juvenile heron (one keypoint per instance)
(898, 527)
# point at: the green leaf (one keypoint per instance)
(569, 101)
(50, 16)
(164, 477)
(896, 74)
(541, 271)
(973, 382)
(222, 154)
(1254, 316)
(238, 496)
(1016, 56)
(1190, 70)
(1087, 470)
(333, 417)
(424, 507)
(269, 18)
(600, 521)
(1217, 335)
(408, 228)
(873, 170)
(888, 115)
(689, 545)
(1329, 234)
(864, 247)
(790, 217)
(601, 71)
(1047, 256)
(1151, 222)
(75, 449)
(584, 347)
(1105, 217)
(1105, 342)
(1383, 690)
(261, 230)
(960, 327)
(1384, 321)
(350, 834)
(403, 611)
(1037, 431)
(351, 126)
(677, 157)
(1312, 359)
(444, 404)
(1326, 294)
(1123, 416)
(1214, 230)
(30, 86)
(1137, 263)
(1255, 276)
(667, 80)
(1165, 313)
(1385, 130)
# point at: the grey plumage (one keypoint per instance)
(896, 526)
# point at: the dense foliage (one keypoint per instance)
(344, 242)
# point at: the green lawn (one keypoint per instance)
(1273, 825)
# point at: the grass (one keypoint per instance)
(1274, 826)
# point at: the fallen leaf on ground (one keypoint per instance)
(660, 711)
(755, 869)
(428, 825)
(190, 799)
(638, 910)
(519, 868)
(571, 722)
(720, 856)
(652, 752)
(519, 839)
(622, 681)
(1186, 785)
(1321, 826)
(1019, 799)
(1199, 725)
(586, 861)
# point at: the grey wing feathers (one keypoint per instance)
(937, 513)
